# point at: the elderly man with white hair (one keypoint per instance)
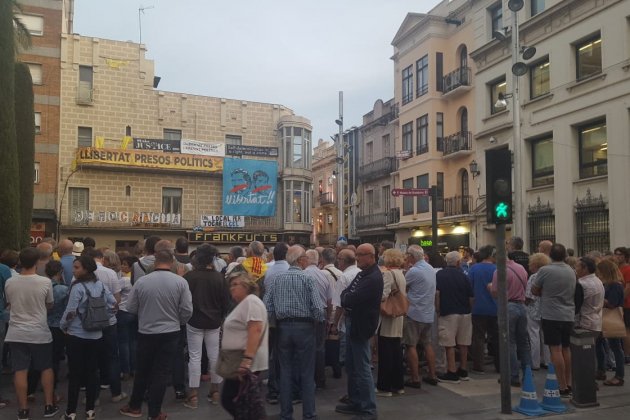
(453, 300)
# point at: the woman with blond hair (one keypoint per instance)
(390, 366)
(540, 352)
(610, 275)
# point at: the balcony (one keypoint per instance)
(378, 220)
(458, 144)
(326, 199)
(458, 205)
(457, 82)
(378, 169)
(326, 239)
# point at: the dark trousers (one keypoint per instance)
(228, 393)
(484, 325)
(179, 362)
(58, 349)
(320, 354)
(127, 340)
(108, 360)
(154, 369)
(391, 371)
(617, 350)
(273, 382)
(82, 365)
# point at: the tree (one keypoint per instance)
(25, 135)
(9, 185)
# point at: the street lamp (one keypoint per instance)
(339, 161)
(474, 169)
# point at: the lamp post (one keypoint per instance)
(339, 160)
(515, 6)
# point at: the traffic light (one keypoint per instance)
(499, 186)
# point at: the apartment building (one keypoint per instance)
(573, 148)
(45, 20)
(135, 160)
(325, 202)
(434, 80)
(377, 163)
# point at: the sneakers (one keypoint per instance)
(449, 377)
(23, 415)
(130, 412)
(346, 409)
(50, 410)
(400, 392)
(430, 381)
(119, 398)
(104, 386)
(383, 393)
(463, 374)
(71, 416)
(90, 415)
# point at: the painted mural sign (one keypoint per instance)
(249, 187)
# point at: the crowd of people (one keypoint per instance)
(165, 316)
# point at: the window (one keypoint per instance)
(465, 193)
(439, 131)
(386, 198)
(407, 136)
(407, 85)
(496, 87)
(376, 203)
(463, 121)
(297, 148)
(422, 181)
(542, 224)
(297, 195)
(422, 76)
(86, 84)
(440, 191)
(128, 191)
(539, 79)
(407, 200)
(369, 199)
(593, 149)
(85, 137)
(34, 24)
(172, 134)
(592, 221)
(422, 134)
(496, 19)
(171, 200)
(36, 176)
(128, 130)
(386, 146)
(542, 162)
(369, 152)
(234, 140)
(36, 73)
(588, 57)
(78, 201)
(537, 6)
(38, 123)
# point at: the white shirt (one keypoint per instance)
(328, 271)
(346, 278)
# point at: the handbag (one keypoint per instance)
(249, 403)
(228, 363)
(396, 304)
(612, 323)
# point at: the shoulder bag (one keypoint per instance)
(612, 323)
(396, 304)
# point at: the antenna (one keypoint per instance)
(141, 10)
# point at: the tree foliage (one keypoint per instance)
(9, 183)
(25, 135)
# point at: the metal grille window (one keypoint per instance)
(422, 134)
(172, 134)
(407, 200)
(422, 76)
(542, 224)
(407, 85)
(78, 201)
(592, 227)
(422, 181)
(85, 136)
(407, 136)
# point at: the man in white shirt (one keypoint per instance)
(333, 274)
(29, 296)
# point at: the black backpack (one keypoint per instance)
(96, 316)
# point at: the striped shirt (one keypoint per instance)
(294, 294)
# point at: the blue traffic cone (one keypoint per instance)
(551, 395)
(529, 401)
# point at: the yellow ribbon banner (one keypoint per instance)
(148, 159)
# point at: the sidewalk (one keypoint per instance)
(478, 398)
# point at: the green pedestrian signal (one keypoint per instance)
(501, 210)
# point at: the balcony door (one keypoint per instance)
(463, 65)
(465, 192)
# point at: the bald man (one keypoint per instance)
(361, 301)
(545, 247)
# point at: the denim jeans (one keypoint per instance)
(519, 338)
(154, 369)
(296, 350)
(358, 367)
(109, 362)
(320, 354)
(616, 348)
(127, 340)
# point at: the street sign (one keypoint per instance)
(396, 192)
(403, 154)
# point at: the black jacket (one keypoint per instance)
(362, 302)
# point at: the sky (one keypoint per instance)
(298, 53)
